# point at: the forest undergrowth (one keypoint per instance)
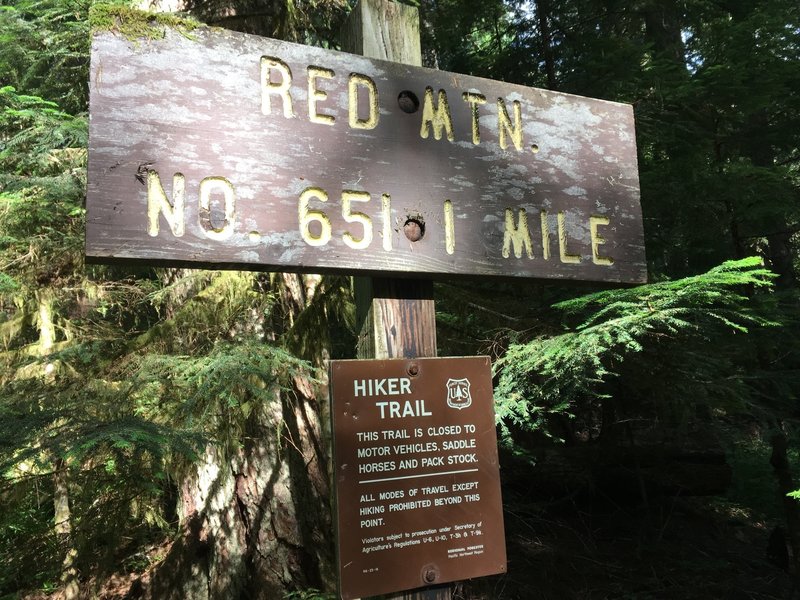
(597, 545)
(594, 546)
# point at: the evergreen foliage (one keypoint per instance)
(649, 326)
(714, 88)
(117, 380)
(112, 380)
(45, 50)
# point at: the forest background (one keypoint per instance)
(164, 432)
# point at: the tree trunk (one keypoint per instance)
(63, 528)
(253, 525)
(62, 519)
(663, 27)
(256, 523)
(780, 249)
(543, 16)
(783, 473)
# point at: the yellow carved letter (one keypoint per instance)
(517, 235)
(449, 228)
(386, 212)
(356, 80)
(348, 197)
(438, 116)
(268, 64)
(562, 242)
(306, 216)
(207, 186)
(545, 235)
(474, 100)
(158, 203)
(505, 127)
(597, 240)
(315, 95)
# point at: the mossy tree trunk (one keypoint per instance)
(254, 513)
(62, 518)
(63, 528)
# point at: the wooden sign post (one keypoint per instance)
(397, 317)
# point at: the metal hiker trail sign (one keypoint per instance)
(416, 473)
(222, 149)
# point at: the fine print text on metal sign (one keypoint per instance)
(417, 482)
(235, 150)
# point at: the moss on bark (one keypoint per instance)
(137, 24)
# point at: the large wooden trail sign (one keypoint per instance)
(221, 149)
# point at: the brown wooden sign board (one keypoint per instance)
(227, 150)
(416, 472)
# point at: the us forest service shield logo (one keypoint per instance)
(458, 393)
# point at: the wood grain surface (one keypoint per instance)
(289, 157)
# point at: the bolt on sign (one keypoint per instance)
(228, 150)
(416, 472)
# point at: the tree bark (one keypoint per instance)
(63, 528)
(780, 249)
(780, 463)
(543, 15)
(62, 519)
(662, 23)
(256, 523)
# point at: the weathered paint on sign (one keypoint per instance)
(231, 150)
(416, 472)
